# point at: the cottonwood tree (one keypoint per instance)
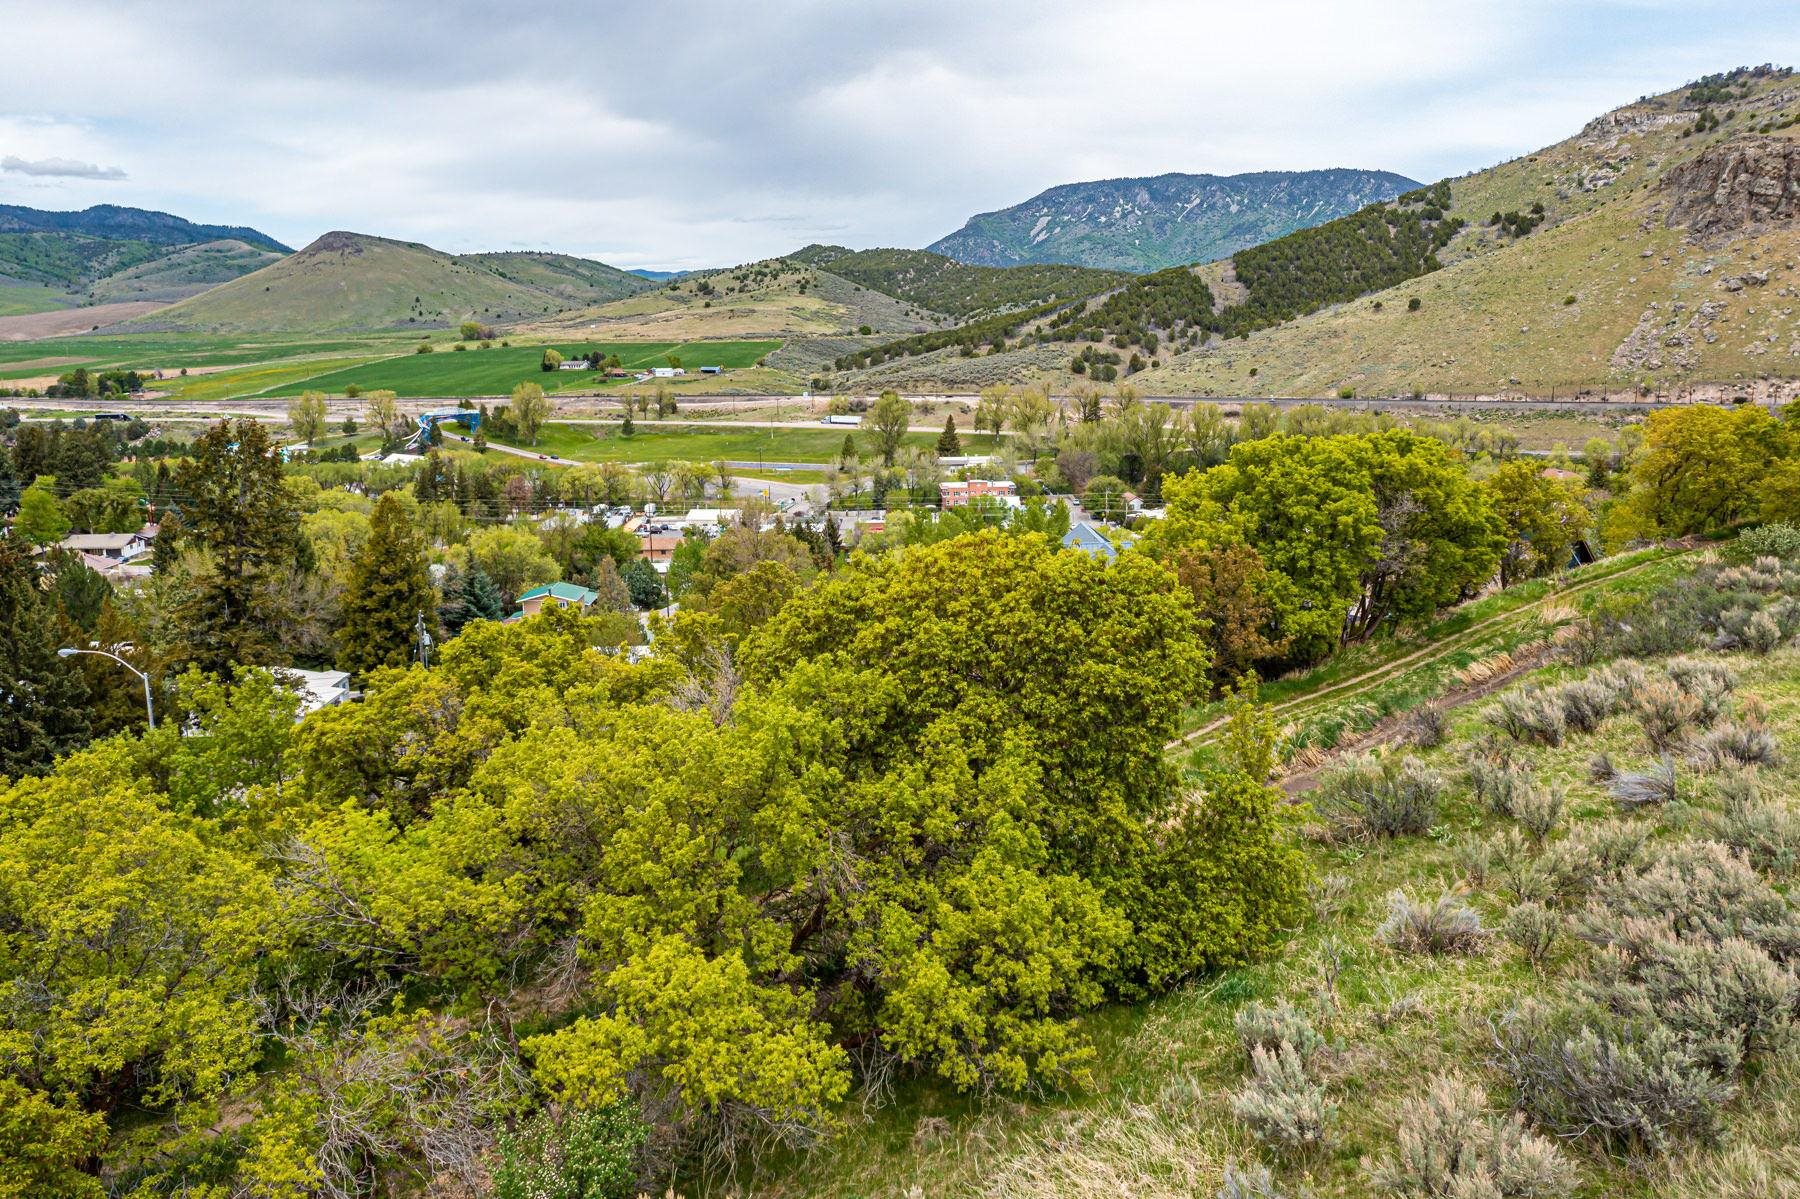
(529, 408)
(888, 418)
(306, 416)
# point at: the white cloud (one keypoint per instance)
(60, 168)
(703, 132)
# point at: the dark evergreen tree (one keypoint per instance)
(481, 595)
(390, 589)
(949, 445)
(235, 507)
(9, 484)
(43, 702)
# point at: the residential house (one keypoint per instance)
(316, 688)
(114, 547)
(657, 547)
(1090, 541)
(559, 594)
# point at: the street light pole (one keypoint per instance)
(149, 703)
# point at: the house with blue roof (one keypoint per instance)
(1090, 541)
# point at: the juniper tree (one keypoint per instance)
(389, 592)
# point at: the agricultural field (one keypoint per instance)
(18, 299)
(654, 443)
(170, 352)
(495, 372)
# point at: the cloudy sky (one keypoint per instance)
(688, 133)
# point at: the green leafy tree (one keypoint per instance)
(645, 585)
(389, 592)
(889, 417)
(237, 511)
(41, 519)
(1541, 519)
(949, 445)
(552, 360)
(47, 712)
(306, 416)
(1105, 496)
(137, 936)
(514, 559)
(1700, 469)
(529, 408)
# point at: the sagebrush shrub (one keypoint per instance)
(1729, 999)
(1762, 633)
(1591, 853)
(1428, 726)
(1530, 714)
(1636, 1086)
(1731, 745)
(1538, 810)
(1377, 796)
(1703, 890)
(1281, 1105)
(1586, 704)
(1708, 681)
(1269, 1026)
(1451, 1145)
(1601, 768)
(1666, 711)
(1443, 925)
(1766, 833)
(1248, 1182)
(1328, 893)
(1636, 789)
(1535, 929)
(1496, 783)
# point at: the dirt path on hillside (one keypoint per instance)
(1428, 654)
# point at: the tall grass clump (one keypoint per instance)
(1644, 788)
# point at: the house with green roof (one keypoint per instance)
(561, 594)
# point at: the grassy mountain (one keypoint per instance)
(957, 289)
(351, 281)
(1655, 249)
(106, 253)
(577, 280)
(1167, 220)
(775, 297)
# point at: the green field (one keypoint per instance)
(497, 371)
(19, 299)
(172, 351)
(604, 443)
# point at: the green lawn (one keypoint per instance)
(604, 443)
(495, 372)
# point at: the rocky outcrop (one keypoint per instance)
(1740, 186)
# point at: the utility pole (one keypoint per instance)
(424, 641)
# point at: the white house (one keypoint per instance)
(317, 688)
(114, 547)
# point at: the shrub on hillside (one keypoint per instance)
(1593, 853)
(1637, 789)
(1635, 1086)
(1779, 540)
(587, 1155)
(1443, 925)
(1666, 712)
(1538, 810)
(1708, 681)
(1704, 890)
(1452, 1145)
(1377, 796)
(1261, 1026)
(1586, 703)
(1497, 784)
(1734, 745)
(1281, 1105)
(1248, 1182)
(1764, 832)
(1535, 929)
(1530, 714)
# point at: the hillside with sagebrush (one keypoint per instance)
(1653, 250)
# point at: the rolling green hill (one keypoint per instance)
(107, 253)
(352, 281)
(954, 288)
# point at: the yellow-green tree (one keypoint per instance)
(529, 409)
(306, 416)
